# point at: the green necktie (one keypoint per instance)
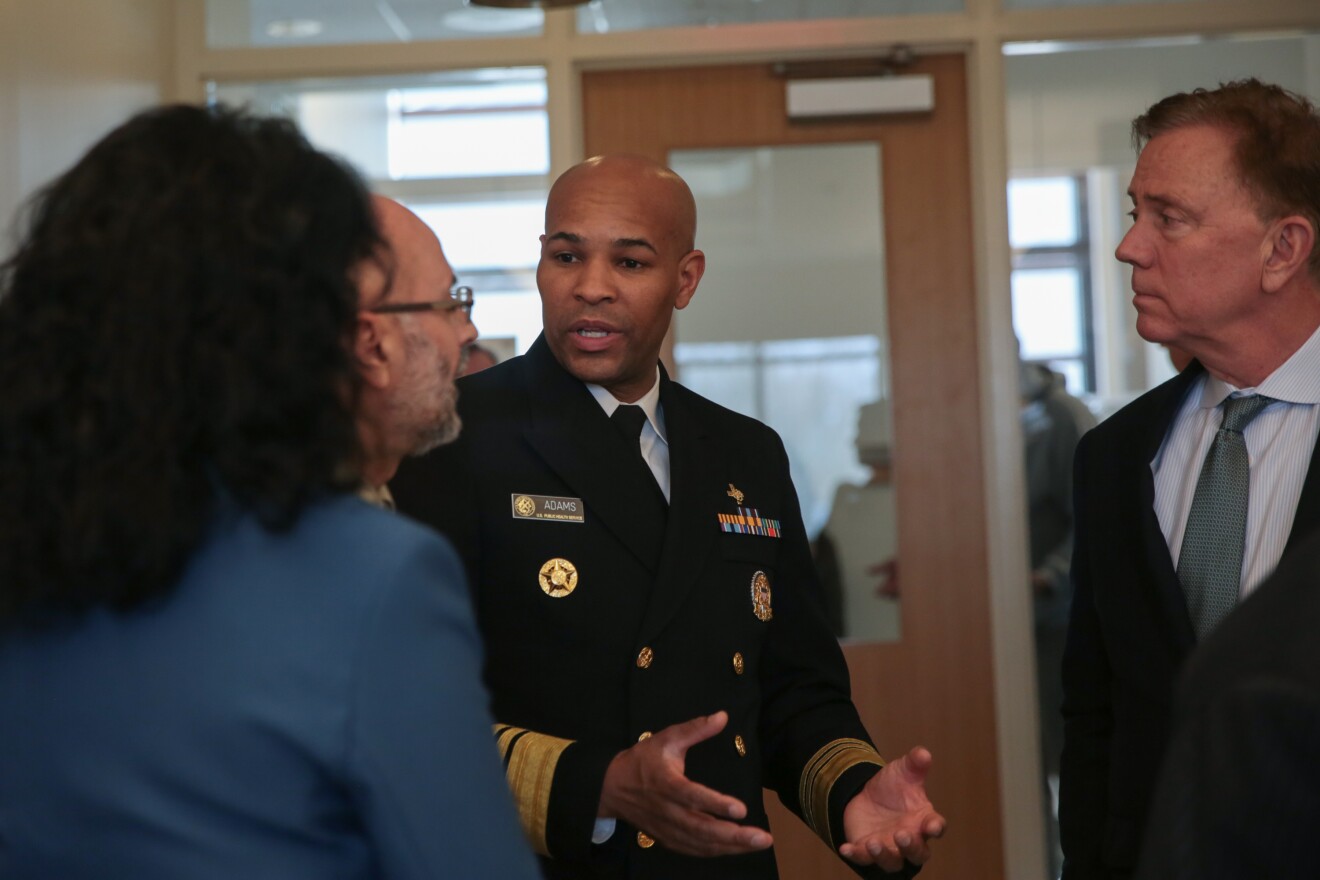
(1210, 564)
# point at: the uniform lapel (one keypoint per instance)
(696, 486)
(570, 432)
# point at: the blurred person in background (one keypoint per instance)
(860, 540)
(1053, 421)
(479, 357)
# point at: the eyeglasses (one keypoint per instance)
(460, 298)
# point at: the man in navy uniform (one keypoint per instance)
(656, 651)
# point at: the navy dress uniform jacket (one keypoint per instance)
(639, 645)
(1129, 634)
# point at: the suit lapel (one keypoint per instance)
(1307, 517)
(696, 485)
(570, 432)
(1154, 423)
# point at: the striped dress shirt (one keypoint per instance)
(1279, 445)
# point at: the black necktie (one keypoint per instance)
(653, 514)
(629, 419)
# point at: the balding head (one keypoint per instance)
(667, 193)
(617, 259)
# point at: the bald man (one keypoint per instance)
(412, 337)
(657, 653)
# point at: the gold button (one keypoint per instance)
(738, 665)
(740, 746)
(646, 734)
(644, 840)
(644, 658)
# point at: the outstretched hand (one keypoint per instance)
(646, 786)
(891, 820)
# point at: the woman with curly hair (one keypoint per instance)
(215, 660)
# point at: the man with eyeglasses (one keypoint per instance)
(656, 651)
(411, 344)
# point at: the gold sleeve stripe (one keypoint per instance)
(529, 766)
(819, 776)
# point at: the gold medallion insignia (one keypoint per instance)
(558, 578)
(524, 506)
(735, 494)
(761, 597)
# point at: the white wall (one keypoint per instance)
(1073, 110)
(71, 70)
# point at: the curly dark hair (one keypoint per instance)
(1278, 143)
(175, 325)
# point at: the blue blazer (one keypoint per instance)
(302, 705)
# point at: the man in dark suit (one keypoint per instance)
(1239, 795)
(657, 653)
(1225, 267)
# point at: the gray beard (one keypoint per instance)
(429, 410)
(444, 431)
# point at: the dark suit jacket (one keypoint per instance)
(638, 646)
(1239, 795)
(1128, 635)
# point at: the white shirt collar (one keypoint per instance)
(649, 402)
(1296, 380)
(378, 496)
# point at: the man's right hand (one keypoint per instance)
(646, 787)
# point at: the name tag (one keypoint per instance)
(547, 507)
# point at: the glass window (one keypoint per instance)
(269, 23)
(791, 327)
(1047, 313)
(467, 150)
(1047, 228)
(603, 16)
(489, 235)
(1042, 212)
(464, 123)
(471, 129)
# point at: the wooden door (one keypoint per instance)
(935, 687)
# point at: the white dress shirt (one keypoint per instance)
(1279, 443)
